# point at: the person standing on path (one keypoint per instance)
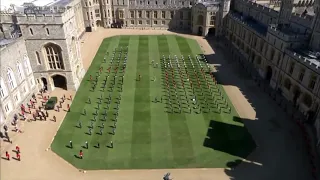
(7, 156)
(18, 156)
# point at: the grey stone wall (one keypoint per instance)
(11, 55)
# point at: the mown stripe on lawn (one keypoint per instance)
(162, 156)
(119, 157)
(199, 133)
(98, 156)
(141, 130)
(180, 135)
(68, 128)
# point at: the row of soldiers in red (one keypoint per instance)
(17, 151)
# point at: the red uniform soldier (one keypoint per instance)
(7, 156)
(17, 148)
(81, 154)
(18, 156)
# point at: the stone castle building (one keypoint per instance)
(199, 16)
(40, 48)
(283, 45)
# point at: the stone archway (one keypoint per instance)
(59, 81)
(44, 83)
(212, 31)
(98, 23)
(268, 73)
(200, 30)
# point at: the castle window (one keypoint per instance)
(155, 14)
(121, 15)
(11, 79)
(3, 89)
(140, 22)
(148, 22)
(26, 63)
(38, 57)
(155, 22)
(147, 14)
(31, 31)
(48, 32)
(163, 14)
(312, 82)
(171, 14)
(139, 14)
(164, 2)
(132, 22)
(156, 2)
(163, 22)
(291, 68)
(301, 74)
(20, 71)
(54, 56)
(7, 108)
(17, 98)
(131, 14)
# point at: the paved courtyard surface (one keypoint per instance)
(280, 155)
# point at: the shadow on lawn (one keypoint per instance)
(229, 138)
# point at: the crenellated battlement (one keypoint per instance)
(259, 7)
(287, 35)
(39, 19)
(310, 61)
(304, 19)
(6, 18)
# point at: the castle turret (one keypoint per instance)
(285, 11)
(315, 27)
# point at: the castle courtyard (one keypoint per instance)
(280, 154)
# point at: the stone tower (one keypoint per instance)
(315, 27)
(223, 11)
(285, 11)
(52, 41)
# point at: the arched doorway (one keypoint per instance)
(200, 31)
(212, 31)
(98, 23)
(59, 81)
(44, 83)
(268, 73)
(296, 94)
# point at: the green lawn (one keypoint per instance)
(152, 134)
